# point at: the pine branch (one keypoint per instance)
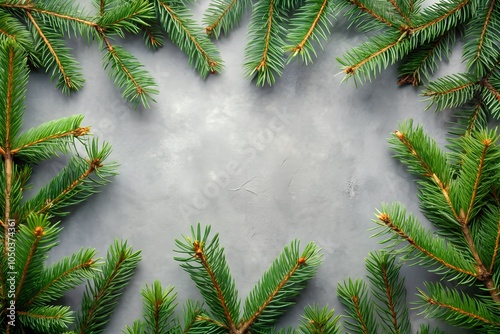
(222, 16)
(159, 305)
(75, 183)
(480, 48)
(440, 17)
(389, 290)
(101, 298)
(265, 50)
(205, 262)
(128, 74)
(354, 295)
(458, 308)
(424, 248)
(183, 31)
(64, 275)
(451, 91)
(368, 59)
(310, 24)
(422, 62)
(319, 321)
(284, 279)
(48, 139)
(47, 319)
(33, 242)
(56, 57)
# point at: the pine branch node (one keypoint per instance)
(81, 131)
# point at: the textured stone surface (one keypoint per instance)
(305, 159)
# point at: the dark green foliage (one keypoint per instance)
(458, 191)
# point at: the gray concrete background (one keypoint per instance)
(311, 155)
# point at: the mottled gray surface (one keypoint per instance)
(304, 159)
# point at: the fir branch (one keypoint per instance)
(436, 19)
(432, 250)
(47, 319)
(66, 67)
(378, 53)
(11, 28)
(376, 12)
(129, 74)
(183, 31)
(480, 49)
(354, 295)
(64, 275)
(451, 91)
(159, 304)
(128, 16)
(457, 308)
(311, 23)
(479, 158)
(224, 15)
(101, 298)
(74, 183)
(390, 292)
(34, 240)
(206, 264)
(496, 248)
(400, 8)
(319, 321)
(48, 139)
(264, 52)
(422, 61)
(423, 158)
(286, 276)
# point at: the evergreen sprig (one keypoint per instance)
(459, 195)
